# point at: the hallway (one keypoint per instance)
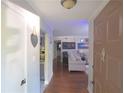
(87, 37)
(66, 82)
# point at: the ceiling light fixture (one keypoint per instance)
(68, 4)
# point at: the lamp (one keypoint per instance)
(68, 4)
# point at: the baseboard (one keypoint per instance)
(48, 81)
(90, 90)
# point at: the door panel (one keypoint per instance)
(100, 32)
(20, 50)
(108, 49)
(98, 86)
(113, 25)
(13, 54)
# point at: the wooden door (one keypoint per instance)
(108, 49)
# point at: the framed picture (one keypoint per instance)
(82, 45)
(68, 45)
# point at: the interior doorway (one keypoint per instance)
(58, 48)
(70, 65)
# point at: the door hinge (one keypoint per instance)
(92, 66)
(93, 82)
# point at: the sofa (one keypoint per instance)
(75, 63)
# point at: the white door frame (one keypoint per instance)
(46, 59)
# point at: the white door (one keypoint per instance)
(13, 50)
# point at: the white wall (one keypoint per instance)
(71, 28)
(48, 51)
(33, 54)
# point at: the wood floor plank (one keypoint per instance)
(64, 81)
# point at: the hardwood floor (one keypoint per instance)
(64, 81)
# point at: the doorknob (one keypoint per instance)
(23, 82)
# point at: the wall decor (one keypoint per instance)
(68, 45)
(82, 45)
(34, 38)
